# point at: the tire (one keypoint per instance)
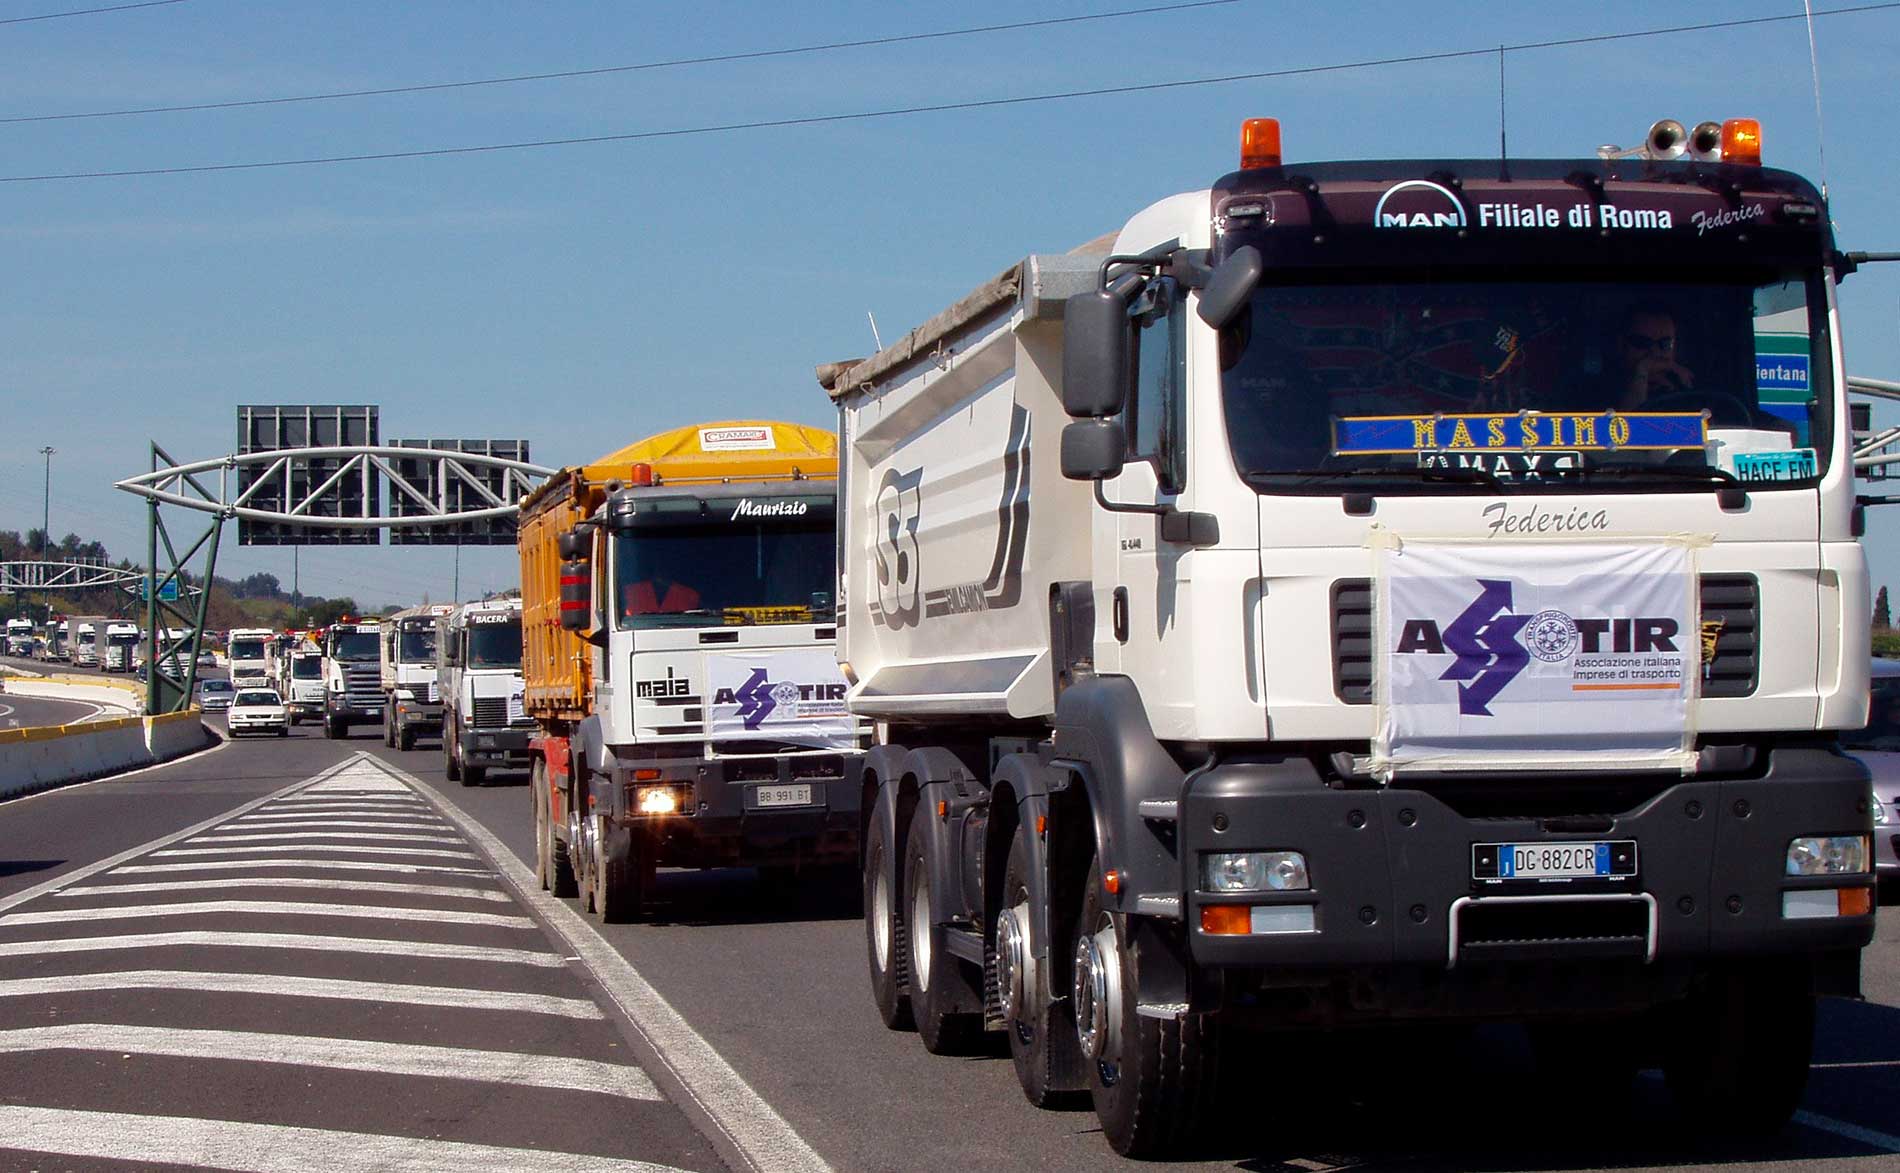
(1578, 1067)
(936, 975)
(405, 738)
(623, 873)
(1151, 1079)
(331, 730)
(451, 765)
(474, 775)
(543, 824)
(283, 731)
(1041, 1036)
(884, 941)
(389, 729)
(1737, 1051)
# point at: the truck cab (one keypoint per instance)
(249, 652)
(414, 705)
(19, 637)
(122, 645)
(352, 676)
(300, 678)
(484, 724)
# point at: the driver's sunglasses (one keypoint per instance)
(1664, 345)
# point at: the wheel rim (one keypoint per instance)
(1012, 960)
(920, 934)
(881, 916)
(1098, 999)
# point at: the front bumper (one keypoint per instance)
(505, 748)
(1392, 872)
(731, 818)
(338, 706)
(419, 715)
(256, 724)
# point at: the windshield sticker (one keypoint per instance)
(1517, 432)
(1781, 368)
(1796, 465)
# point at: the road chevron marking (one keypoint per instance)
(112, 861)
(748, 1128)
(1867, 1136)
(272, 835)
(330, 865)
(291, 848)
(506, 1067)
(281, 985)
(275, 1148)
(68, 914)
(310, 941)
(493, 895)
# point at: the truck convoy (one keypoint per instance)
(412, 706)
(1362, 592)
(352, 676)
(483, 722)
(678, 622)
(298, 678)
(19, 637)
(249, 651)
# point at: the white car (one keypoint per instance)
(258, 710)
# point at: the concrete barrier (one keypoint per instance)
(36, 759)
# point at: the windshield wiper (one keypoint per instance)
(1731, 494)
(1452, 474)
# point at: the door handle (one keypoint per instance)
(1119, 614)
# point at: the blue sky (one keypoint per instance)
(584, 296)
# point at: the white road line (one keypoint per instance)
(323, 865)
(272, 1148)
(201, 885)
(311, 807)
(70, 915)
(219, 838)
(307, 941)
(300, 848)
(360, 778)
(280, 985)
(723, 1098)
(507, 1067)
(1866, 1136)
(112, 861)
(364, 822)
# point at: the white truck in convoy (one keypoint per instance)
(298, 678)
(122, 645)
(19, 637)
(413, 705)
(352, 676)
(1364, 592)
(88, 641)
(249, 652)
(478, 657)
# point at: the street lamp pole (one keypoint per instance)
(46, 528)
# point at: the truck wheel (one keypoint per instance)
(389, 729)
(405, 738)
(1043, 1051)
(883, 926)
(1737, 1051)
(451, 765)
(331, 730)
(474, 775)
(623, 871)
(936, 976)
(1151, 1078)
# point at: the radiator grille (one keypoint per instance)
(491, 712)
(1731, 605)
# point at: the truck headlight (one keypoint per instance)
(405, 694)
(658, 800)
(1254, 871)
(1828, 855)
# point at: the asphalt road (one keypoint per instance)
(26, 712)
(769, 983)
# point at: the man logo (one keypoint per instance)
(1418, 203)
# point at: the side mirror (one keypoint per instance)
(1095, 347)
(1093, 450)
(1231, 286)
(577, 594)
(573, 544)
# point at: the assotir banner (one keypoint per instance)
(1536, 655)
(791, 696)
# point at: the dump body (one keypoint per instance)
(1352, 593)
(700, 576)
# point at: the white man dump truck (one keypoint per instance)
(484, 723)
(122, 643)
(352, 676)
(298, 678)
(678, 622)
(1366, 592)
(413, 706)
(248, 650)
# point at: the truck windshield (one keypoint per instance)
(1596, 380)
(247, 649)
(351, 645)
(307, 668)
(735, 572)
(495, 645)
(416, 645)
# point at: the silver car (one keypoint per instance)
(1878, 745)
(215, 695)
